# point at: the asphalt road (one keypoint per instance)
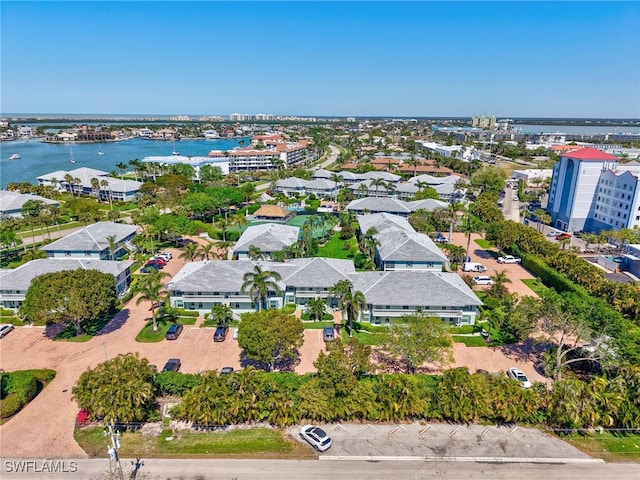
(170, 469)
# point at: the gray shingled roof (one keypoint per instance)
(318, 272)
(414, 288)
(92, 238)
(379, 204)
(268, 237)
(11, 201)
(398, 245)
(429, 205)
(382, 222)
(20, 278)
(389, 177)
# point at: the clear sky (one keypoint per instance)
(519, 59)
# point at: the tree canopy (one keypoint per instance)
(418, 339)
(270, 336)
(70, 296)
(119, 390)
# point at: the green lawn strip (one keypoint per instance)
(470, 341)
(334, 248)
(482, 243)
(610, 446)
(147, 335)
(76, 339)
(316, 325)
(536, 285)
(13, 321)
(242, 442)
(187, 320)
(211, 323)
(43, 231)
(363, 337)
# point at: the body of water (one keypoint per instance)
(575, 129)
(38, 158)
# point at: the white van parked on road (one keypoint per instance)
(473, 267)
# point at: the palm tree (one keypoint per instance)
(224, 223)
(122, 167)
(112, 245)
(205, 251)
(105, 186)
(222, 314)
(69, 179)
(349, 301)
(150, 288)
(137, 166)
(379, 183)
(190, 251)
(95, 187)
(414, 162)
(317, 308)
(255, 253)
(258, 284)
(499, 289)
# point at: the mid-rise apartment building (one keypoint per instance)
(590, 190)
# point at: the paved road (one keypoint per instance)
(203, 469)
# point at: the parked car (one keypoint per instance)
(5, 328)
(563, 236)
(316, 437)
(440, 238)
(156, 265)
(519, 376)
(509, 259)
(220, 334)
(161, 261)
(226, 370)
(552, 233)
(174, 331)
(149, 269)
(473, 267)
(328, 334)
(235, 334)
(172, 365)
(482, 280)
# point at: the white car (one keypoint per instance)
(519, 376)
(482, 280)
(552, 233)
(5, 328)
(316, 437)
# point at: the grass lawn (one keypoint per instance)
(12, 320)
(610, 446)
(486, 244)
(363, 337)
(249, 443)
(316, 325)
(76, 339)
(334, 248)
(475, 341)
(536, 285)
(187, 320)
(147, 335)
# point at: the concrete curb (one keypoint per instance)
(381, 458)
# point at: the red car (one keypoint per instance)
(157, 260)
(563, 236)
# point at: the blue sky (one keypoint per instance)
(574, 59)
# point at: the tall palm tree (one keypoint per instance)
(206, 250)
(349, 301)
(123, 168)
(105, 186)
(112, 245)
(222, 314)
(150, 288)
(95, 187)
(69, 179)
(379, 183)
(255, 253)
(258, 284)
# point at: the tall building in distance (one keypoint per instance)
(240, 117)
(591, 191)
(265, 117)
(486, 122)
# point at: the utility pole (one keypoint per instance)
(112, 451)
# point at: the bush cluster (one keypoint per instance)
(20, 387)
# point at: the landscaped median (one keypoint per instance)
(148, 335)
(18, 388)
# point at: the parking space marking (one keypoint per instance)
(199, 335)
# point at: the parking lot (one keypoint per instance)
(439, 441)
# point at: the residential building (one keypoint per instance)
(80, 183)
(93, 242)
(274, 155)
(268, 237)
(486, 122)
(392, 205)
(319, 187)
(591, 191)
(389, 295)
(14, 283)
(272, 213)
(11, 203)
(399, 246)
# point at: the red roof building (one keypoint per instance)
(589, 154)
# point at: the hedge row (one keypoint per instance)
(549, 276)
(19, 388)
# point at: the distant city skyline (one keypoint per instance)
(359, 59)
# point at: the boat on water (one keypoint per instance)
(175, 151)
(100, 152)
(71, 152)
(14, 156)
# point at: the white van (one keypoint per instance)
(482, 280)
(473, 267)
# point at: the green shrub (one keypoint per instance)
(10, 405)
(289, 308)
(44, 375)
(549, 276)
(22, 383)
(176, 383)
(186, 313)
(306, 316)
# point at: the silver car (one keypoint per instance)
(5, 328)
(519, 376)
(316, 437)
